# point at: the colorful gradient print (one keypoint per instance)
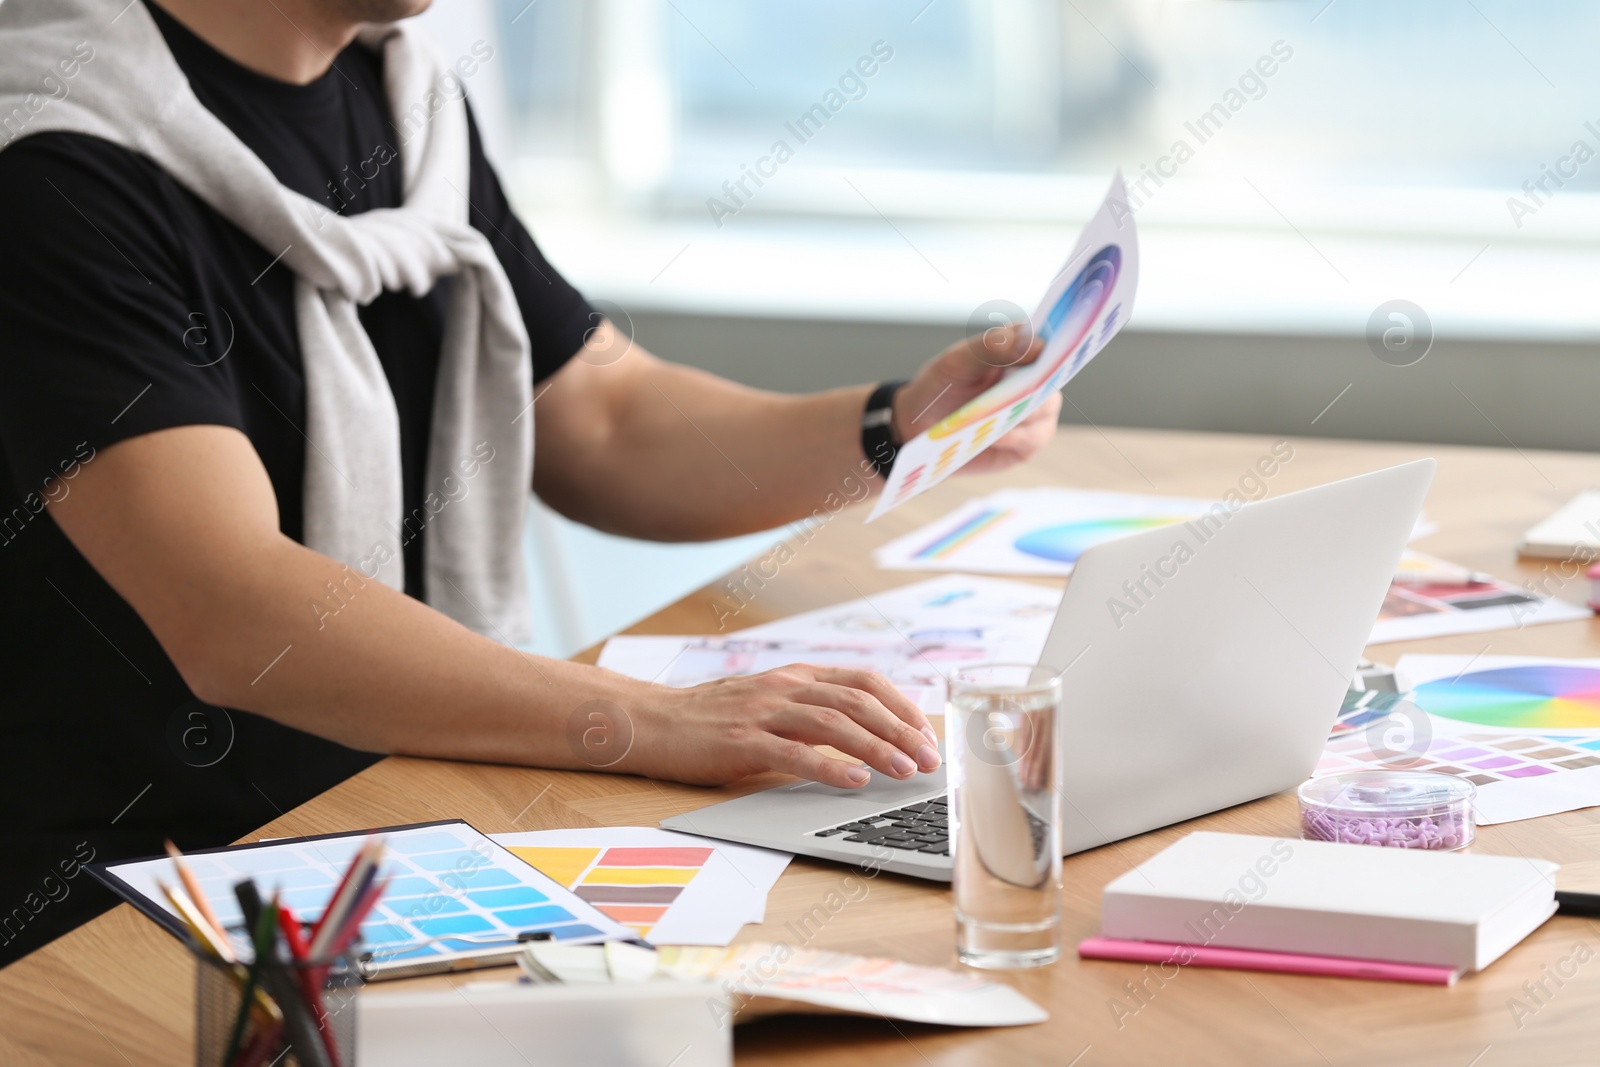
(1066, 542)
(1065, 333)
(1533, 697)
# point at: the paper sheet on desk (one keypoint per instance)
(1084, 307)
(1041, 530)
(1418, 607)
(914, 635)
(1524, 729)
(769, 978)
(450, 890)
(917, 670)
(670, 888)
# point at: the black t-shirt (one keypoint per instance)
(128, 306)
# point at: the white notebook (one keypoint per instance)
(1448, 909)
(1576, 526)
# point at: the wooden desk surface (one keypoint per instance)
(117, 991)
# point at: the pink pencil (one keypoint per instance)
(1244, 959)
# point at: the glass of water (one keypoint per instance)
(1005, 824)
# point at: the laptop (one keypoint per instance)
(1195, 678)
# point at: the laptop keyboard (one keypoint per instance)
(923, 828)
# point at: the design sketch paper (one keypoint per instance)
(914, 635)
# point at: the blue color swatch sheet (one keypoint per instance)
(451, 889)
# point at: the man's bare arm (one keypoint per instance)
(636, 445)
(183, 524)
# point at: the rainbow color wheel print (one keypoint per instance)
(1066, 542)
(1534, 697)
(1071, 317)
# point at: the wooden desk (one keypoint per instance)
(117, 991)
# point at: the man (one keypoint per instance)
(206, 423)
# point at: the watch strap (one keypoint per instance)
(877, 427)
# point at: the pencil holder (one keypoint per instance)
(301, 1033)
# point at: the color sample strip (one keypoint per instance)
(635, 894)
(563, 865)
(655, 857)
(980, 436)
(954, 539)
(909, 485)
(635, 915)
(640, 875)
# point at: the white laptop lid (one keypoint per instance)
(1205, 662)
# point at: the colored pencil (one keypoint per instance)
(262, 935)
(206, 935)
(340, 890)
(186, 876)
(260, 1048)
(356, 879)
(310, 978)
(352, 926)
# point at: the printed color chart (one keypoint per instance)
(1535, 697)
(1480, 758)
(1087, 302)
(914, 635)
(1066, 542)
(634, 886)
(1525, 731)
(446, 881)
(1038, 531)
(671, 888)
(1426, 600)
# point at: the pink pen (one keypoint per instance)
(1244, 959)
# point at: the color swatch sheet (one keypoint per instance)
(1010, 619)
(446, 881)
(1032, 531)
(666, 887)
(1043, 531)
(767, 978)
(917, 669)
(1089, 300)
(914, 635)
(1524, 730)
(1423, 604)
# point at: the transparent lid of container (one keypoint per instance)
(1368, 793)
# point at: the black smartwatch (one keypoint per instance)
(877, 427)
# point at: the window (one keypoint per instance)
(1365, 121)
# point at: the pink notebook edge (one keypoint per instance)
(1245, 959)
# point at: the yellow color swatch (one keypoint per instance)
(563, 865)
(631, 875)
